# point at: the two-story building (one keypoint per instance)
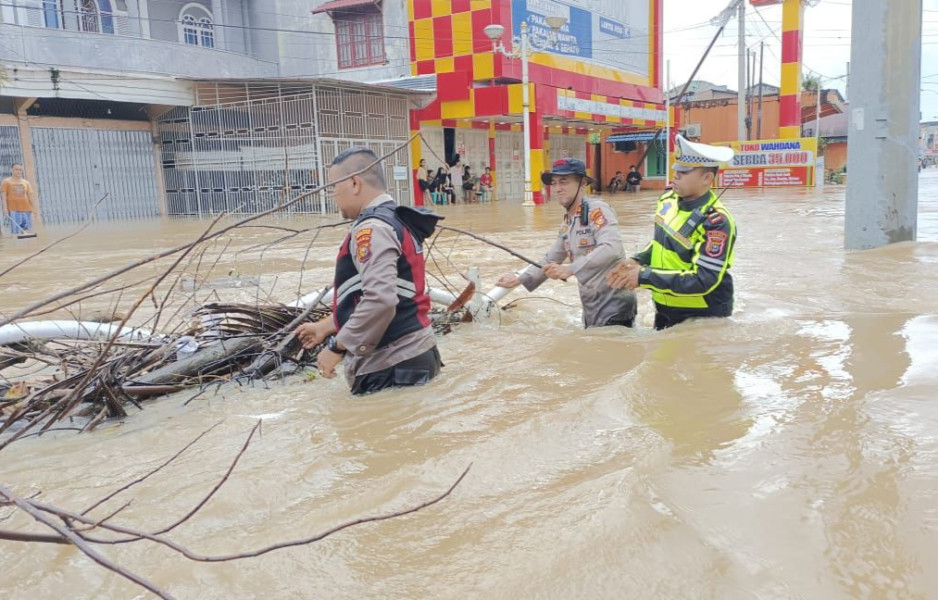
(191, 107)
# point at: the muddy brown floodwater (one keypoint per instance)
(788, 452)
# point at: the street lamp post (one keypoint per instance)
(524, 48)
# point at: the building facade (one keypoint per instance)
(91, 86)
(601, 75)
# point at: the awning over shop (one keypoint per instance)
(336, 5)
(639, 136)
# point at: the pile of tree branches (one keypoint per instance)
(201, 343)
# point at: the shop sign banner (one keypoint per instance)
(770, 163)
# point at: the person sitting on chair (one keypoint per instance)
(444, 186)
(468, 185)
(485, 184)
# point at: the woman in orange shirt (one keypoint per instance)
(17, 195)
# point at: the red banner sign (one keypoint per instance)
(770, 163)
(766, 177)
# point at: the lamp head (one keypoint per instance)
(494, 31)
(556, 23)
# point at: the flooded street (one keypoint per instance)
(788, 452)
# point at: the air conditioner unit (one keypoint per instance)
(694, 130)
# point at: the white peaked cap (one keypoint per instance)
(690, 155)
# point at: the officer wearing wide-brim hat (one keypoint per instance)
(589, 239)
(686, 265)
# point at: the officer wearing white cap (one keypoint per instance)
(589, 238)
(686, 265)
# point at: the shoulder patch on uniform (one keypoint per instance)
(597, 217)
(363, 243)
(716, 242)
(715, 217)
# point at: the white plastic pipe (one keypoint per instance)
(73, 330)
(437, 296)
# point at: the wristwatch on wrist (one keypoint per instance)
(333, 346)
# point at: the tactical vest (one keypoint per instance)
(413, 305)
(678, 236)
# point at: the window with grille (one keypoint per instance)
(359, 37)
(94, 16)
(196, 27)
(88, 16)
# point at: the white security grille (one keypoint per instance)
(260, 149)
(77, 167)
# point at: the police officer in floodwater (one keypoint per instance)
(589, 239)
(686, 266)
(380, 321)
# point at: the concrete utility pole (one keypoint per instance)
(743, 64)
(882, 143)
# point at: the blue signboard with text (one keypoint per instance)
(574, 39)
(614, 28)
(606, 33)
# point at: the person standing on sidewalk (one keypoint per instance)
(17, 197)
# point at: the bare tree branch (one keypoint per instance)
(16, 536)
(76, 540)
(252, 553)
(143, 478)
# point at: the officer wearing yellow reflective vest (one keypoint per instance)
(686, 265)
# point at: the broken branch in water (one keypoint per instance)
(491, 243)
(96, 380)
(72, 528)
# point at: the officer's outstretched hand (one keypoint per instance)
(556, 271)
(508, 281)
(624, 275)
(313, 334)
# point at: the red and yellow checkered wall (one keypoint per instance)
(447, 39)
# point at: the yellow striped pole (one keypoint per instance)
(789, 119)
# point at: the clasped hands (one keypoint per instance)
(624, 275)
(552, 270)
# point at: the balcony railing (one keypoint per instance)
(40, 32)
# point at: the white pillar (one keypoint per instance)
(144, 9)
(133, 18)
(218, 13)
(526, 117)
